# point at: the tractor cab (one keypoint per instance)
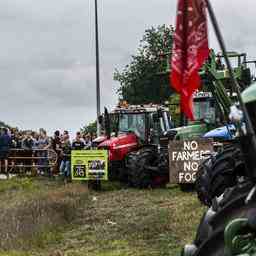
(144, 121)
(133, 122)
(206, 116)
(204, 108)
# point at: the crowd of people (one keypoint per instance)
(31, 144)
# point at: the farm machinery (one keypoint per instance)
(137, 137)
(129, 129)
(223, 169)
(228, 226)
(211, 110)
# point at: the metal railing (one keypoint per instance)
(22, 160)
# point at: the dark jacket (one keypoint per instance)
(66, 150)
(5, 145)
(78, 145)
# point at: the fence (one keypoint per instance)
(22, 161)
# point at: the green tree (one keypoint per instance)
(90, 128)
(145, 79)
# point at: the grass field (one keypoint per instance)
(42, 217)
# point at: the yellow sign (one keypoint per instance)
(89, 164)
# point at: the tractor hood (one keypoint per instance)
(120, 140)
(222, 133)
(191, 131)
(119, 146)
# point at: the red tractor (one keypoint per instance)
(132, 130)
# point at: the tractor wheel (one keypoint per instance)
(214, 244)
(130, 166)
(203, 230)
(230, 206)
(222, 208)
(138, 175)
(218, 173)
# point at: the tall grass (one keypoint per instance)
(39, 217)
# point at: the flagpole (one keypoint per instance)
(97, 68)
(234, 82)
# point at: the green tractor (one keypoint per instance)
(212, 104)
(229, 226)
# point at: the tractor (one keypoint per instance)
(130, 128)
(228, 226)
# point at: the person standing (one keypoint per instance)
(27, 146)
(43, 145)
(56, 146)
(28, 142)
(66, 156)
(87, 141)
(35, 137)
(18, 140)
(78, 143)
(5, 146)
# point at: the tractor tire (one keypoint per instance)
(219, 173)
(228, 207)
(214, 244)
(130, 165)
(138, 175)
(203, 231)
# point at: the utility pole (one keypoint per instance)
(97, 68)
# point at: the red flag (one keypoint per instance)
(190, 50)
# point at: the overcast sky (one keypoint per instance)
(47, 72)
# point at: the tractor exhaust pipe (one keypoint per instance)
(107, 123)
